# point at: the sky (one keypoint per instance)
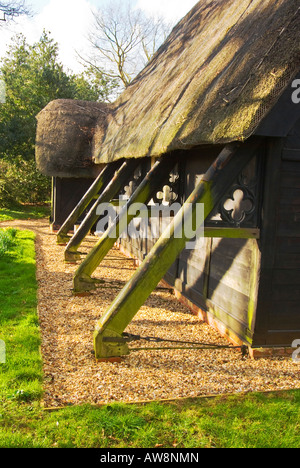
(69, 21)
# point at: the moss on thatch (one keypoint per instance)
(215, 78)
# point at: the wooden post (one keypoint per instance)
(152, 182)
(99, 184)
(108, 339)
(113, 189)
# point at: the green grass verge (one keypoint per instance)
(21, 375)
(245, 421)
(24, 212)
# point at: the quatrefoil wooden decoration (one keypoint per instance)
(134, 183)
(169, 192)
(174, 178)
(166, 195)
(238, 206)
(128, 189)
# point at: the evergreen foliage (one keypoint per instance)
(34, 76)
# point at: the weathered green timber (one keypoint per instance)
(96, 188)
(232, 233)
(121, 177)
(143, 194)
(209, 192)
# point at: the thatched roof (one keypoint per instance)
(215, 78)
(65, 136)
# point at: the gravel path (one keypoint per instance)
(72, 376)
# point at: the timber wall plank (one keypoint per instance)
(284, 310)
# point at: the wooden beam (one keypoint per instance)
(121, 177)
(143, 194)
(99, 184)
(232, 233)
(215, 183)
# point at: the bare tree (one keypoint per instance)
(12, 9)
(123, 40)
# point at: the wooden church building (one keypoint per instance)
(214, 118)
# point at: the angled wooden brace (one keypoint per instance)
(143, 194)
(109, 341)
(120, 178)
(96, 188)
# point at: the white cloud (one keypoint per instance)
(171, 10)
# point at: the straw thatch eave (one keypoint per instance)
(215, 78)
(66, 133)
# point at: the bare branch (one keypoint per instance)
(124, 39)
(12, 9)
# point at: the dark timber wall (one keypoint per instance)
(220, 275)
(66, 193)
(278, 314)
(251, 286)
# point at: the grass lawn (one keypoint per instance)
(243, 421)
(24, 212)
